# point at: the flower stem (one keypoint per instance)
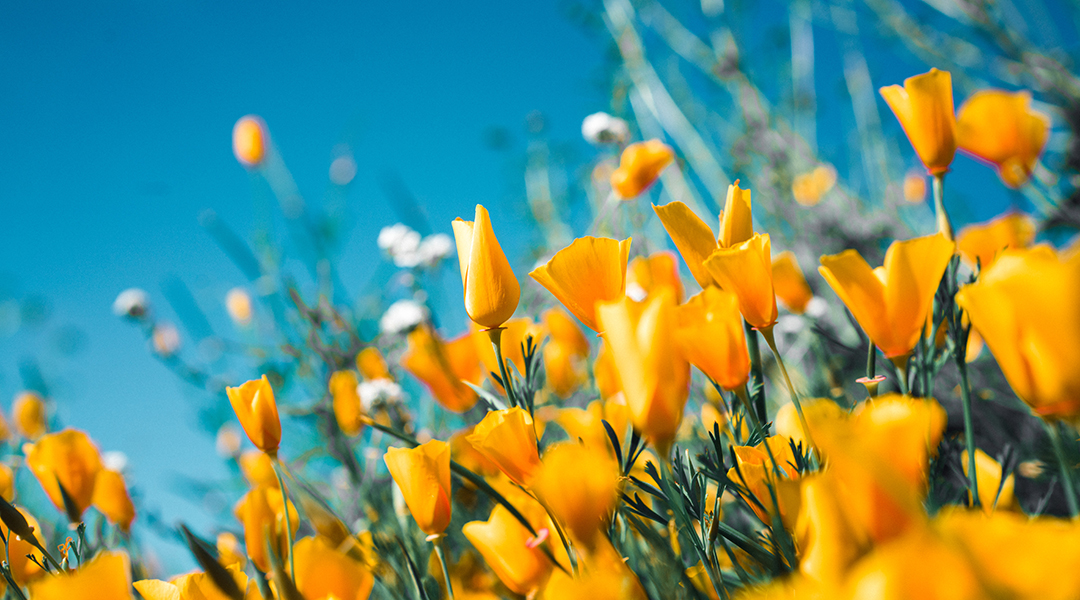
(969, 429)
(755, 367)
(1066, 471)
(438, 543)
(495, 333)
(943, 222)
(767, 333)
(276, 462)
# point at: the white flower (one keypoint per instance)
(402, 316)
(816, 307)
(132, 303)
(602, 128)
(342, 170)
(165, 339)
(434, 248)
(114, 461)
(402, 244)
(374, 391)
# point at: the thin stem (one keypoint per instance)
(871, 359)
(438, 543)
(767, 333)
(1066, 472)
(969, 429)
(755, 366)
(901, 364)
(276, 462)
(943, 222)
(495, 333)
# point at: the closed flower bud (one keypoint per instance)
(371, 364)
(639, 167)
(250, 140)
(508, 439)
(423, 475)
(67, 458)
(30, 415)
(257, 411)
(491, 289)
(924, 107)
(588, 271)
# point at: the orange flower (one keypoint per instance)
(790, 283)
(924, 107)
(580, 486)
(504, 544)
(892, 302)
(491, 289)
(508, 439)
(229, 551)
(605, 373)
(262, 513)
(584, 424)
(442, 367)
(588, 271)
(348, 410)
(647, 274)
(257, 411)
(915, 186)
(808, 188)
(258, 469)
(249, 139)
(513, 338)
(29, 414)
(695, 240)
(640, 165)
(758, 473)
(565, 353)
(1000, 128)
(106, 577)
(112, 499)
(371, 365)
(23, 570)
(654, 376)
(423, 475)
(980, 244)
(66, 458)
(324, 572)
(710, 335)
(746, 270)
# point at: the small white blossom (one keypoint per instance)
(602, 128)
(816, 307)
(132, 303)
(114, 461)
(402, 315)
(165, 339)
(377, 390)
(435, 248)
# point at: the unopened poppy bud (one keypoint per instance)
(249, 140)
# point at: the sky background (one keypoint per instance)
(115, 124)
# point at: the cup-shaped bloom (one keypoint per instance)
(645, 275)
(348, 410)
(491, 289)
(830, 543)
(789, 283)
(504, 544)
(653, 374)
(588, 271)
(710, 335)
(993, 493)
(585, 424)
(256, 408)
(30, 415)
(67, 458)
(924, 107)
(980, 244)
(250, 140)
(112, 499)
(1023, 305)
(22, 568)
(1001, 128)
(892, 302)
(258, 469)
(324, 572)
(695, 239)
(580, 485)
(746, 270)
(106, 576)
(423, 475)
(262, 514)
(507, 438)
(443, 366)
(565, 353)
(371, 364)
(756, 474)
(639, 166)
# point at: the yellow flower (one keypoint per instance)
(191, 586)
(371, 365)
(924, 107)
(710, 335)
(565, 353)
(585, 423)
(423, 475)
(106, 577)
(324, 572)
(988, 474)
(588, 271)
(915, 187)
(918, 565)
(1000, 128)
(238, 304)
(829, 542)
(229, 551)
(254, 405)
(640, 165)
(653, 375)
(112, 499)
(463, 452)
(249, 139)
(66, 458)
(30, 416)
(818, 412)
(695, 240)
(759, 474)
(808, 188)
(7, 482)
(442, 367)
(580, 485)
(513, 338)
(258, 469)
(980, 244)
(348, 409)
(23, 570)
(507, 438)
(262, 513)
(602, 575)
(647, 274)
(746, 270)
(491, 289)
(789, 283)
(1022, 306)
(892, 302)
(504, 544)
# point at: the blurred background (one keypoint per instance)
(116, 168)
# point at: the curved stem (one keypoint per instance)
(1066, 472)
(767, 333)
(276, 462)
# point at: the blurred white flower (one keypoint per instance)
(602, 128)
(132, 303)
(816, 307)
(114, 461)
(342, 170)
(408, 250)
(228, 441)
(373, 391)
(238, 304)
(165, 339)
(435, 248)
(402, 315)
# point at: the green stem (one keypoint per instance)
(495, 333)
(943, 222)
(755, 367)
(1066, 471)
(438, 542)
(276, 462)
(969, 429)
(871, 359)
(767, 333)
(901, 373)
